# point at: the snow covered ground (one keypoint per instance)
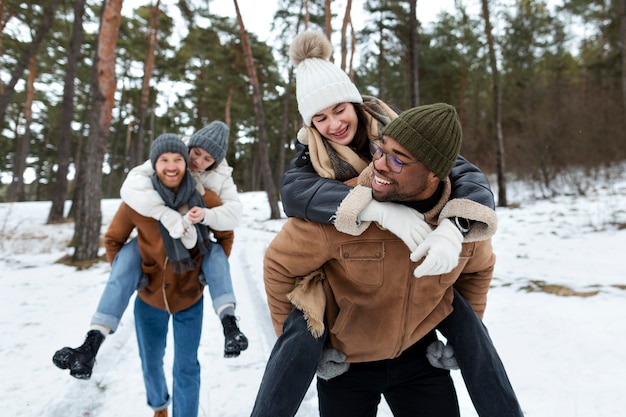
(556, 312)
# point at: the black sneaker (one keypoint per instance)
(80, 360)
(234, 340)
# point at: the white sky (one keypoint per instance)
(258, 18)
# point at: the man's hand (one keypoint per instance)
(441, 247)
(174, 222)
(331, 364)
(406, 223)
(441, 356)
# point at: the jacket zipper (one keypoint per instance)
(167, 305)
(402, 334)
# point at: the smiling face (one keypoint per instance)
(199, 159)
(337, 123)
(415, 182)
(170, 168)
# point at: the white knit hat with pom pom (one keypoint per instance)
(319, 83)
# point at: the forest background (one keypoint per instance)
(540, 88)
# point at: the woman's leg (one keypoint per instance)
(122, 283)
(483, 372)
(187, 325)
(151, 325)
(216, 272)
(289, 370)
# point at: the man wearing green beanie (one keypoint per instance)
(432, 134)
(379, 317)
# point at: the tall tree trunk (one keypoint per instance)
(382, 73)
(41, 171)
(229, 106)
(497, 105)
(622, 24)
(67, 115)
(88, 213)
(77, 185)
(344, 29)
(284, 129)
(4, 19)
(328, 28)
(16, 188)
(352, 52)
(307, 16)
(414, 93)
(9, 90)
(266, 171)
(137, 149)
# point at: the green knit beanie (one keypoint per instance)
(432, 133)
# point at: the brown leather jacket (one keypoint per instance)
(166, 290)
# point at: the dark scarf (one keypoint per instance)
(343, 169)
(178, 255)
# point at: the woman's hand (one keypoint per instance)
(195, 215)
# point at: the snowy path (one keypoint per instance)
(565, 355)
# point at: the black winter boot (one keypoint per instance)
(234, 340)
(80, 361)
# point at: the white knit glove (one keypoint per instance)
(333, 363)
(441, 356)
(190, 237)
(406, 223)
(441, 247)
(174, 223)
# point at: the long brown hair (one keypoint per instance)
(360, 142)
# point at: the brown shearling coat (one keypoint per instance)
(375, 307)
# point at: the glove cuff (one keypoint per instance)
(449, 230)
(347, 216)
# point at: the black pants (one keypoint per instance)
(290, 369)
(294, 358)
(410, 385)
(483, 372)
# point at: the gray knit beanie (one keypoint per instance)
(432, 133)
(213, 139)
(168, 142)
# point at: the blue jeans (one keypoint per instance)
(285, 381)
(151, 325)
(216, 275)
(122, 283)
(410, 385)
(126, 271)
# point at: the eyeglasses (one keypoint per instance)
(393, 163)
